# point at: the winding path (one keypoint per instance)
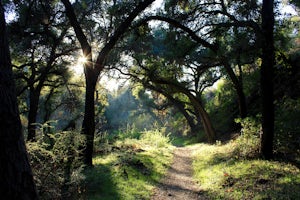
(178, 183)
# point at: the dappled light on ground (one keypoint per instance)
(224, 175)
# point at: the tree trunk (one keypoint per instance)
(32, 114)
(179, 105)
(205, 119)
(267, 80)
(93, 69)
(88, 124)
(195, 128)
(208, 127)
(239, 90)
(15, 172)
(196, 102)
(190, 120)
(242, 103)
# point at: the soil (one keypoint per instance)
(178, 183)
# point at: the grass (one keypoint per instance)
(183, 141)
(223, 174)
(130, 169)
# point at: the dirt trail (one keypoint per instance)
(178, 183)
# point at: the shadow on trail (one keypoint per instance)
(99, 184)
(176, 191)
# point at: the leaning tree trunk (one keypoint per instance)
(15, 172)
(196, 102)
(208, 127)
(267, 80)
(195, 128)
(205, 119)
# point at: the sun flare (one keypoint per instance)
(82, 60)
(78, 67)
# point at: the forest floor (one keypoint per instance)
(151, 168)
(178, 182)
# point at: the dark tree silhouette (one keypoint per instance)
(15, 172)
(267, 79)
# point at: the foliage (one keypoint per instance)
(223, 175)
(177, 63)
(131, 132)
(54, 159)
(156, 138)
(287, 128)
(64, 103)
(220, 103)
(131, 168)
(248, 142)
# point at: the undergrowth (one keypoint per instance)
(248, 144)
(54, 160)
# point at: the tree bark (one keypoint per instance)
(88, 124)
(15, 172)
(267, 79)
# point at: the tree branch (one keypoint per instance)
(177, 24)
(123, 27)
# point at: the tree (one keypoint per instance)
(16, 176)
(93, 69)
(236, 16)
(218, 56)
(173, 80)
(39, 44)
(267, 79)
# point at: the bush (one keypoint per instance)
(55, 164)
(156, 137)
(131, 132)
(248, 144)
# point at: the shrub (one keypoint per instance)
(55, 164)
(156, 137)
(248, 144)
(131, 132)
(105, 142)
